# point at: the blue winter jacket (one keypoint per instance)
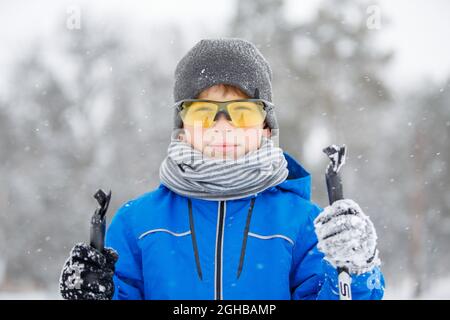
(259, 247)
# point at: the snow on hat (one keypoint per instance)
(231, 61)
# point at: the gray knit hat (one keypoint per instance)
(230, 61)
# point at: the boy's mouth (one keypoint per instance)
(224, 145)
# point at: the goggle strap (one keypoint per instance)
(256, 95)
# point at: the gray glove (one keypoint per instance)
(347, 237)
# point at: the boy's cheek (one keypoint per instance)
(192, 134)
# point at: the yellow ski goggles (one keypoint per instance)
(241, 113)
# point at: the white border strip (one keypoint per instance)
(165, 230)
(271, 237)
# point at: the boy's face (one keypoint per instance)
(223, 140)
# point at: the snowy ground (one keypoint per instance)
(439, 290)
(29, 295)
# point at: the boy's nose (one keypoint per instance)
(222, 123)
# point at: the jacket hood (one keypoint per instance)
(298, 180)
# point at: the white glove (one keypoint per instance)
(347, 237)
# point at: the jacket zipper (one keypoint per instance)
(219, 250)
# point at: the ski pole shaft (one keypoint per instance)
(335, 192)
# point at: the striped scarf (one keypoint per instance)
(187, 171)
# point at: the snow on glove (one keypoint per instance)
(88, 274)
(347, 237)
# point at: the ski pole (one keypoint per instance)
(98, 220)
(337, 155)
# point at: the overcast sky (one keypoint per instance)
(418, 30)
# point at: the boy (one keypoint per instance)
(232, 217)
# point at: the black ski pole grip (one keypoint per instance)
(98, 220)
(334, 187)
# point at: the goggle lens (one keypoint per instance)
(242, 113)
